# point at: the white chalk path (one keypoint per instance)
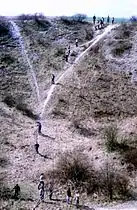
(59, 78)
(33, 81)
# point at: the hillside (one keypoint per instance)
(96, 88)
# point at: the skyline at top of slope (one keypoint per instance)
(123, 8)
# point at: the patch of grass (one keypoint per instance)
(59, 52)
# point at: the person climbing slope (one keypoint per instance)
(68, 196)
(37, 148)
(53, 79)
(16, 191)
(39, 127)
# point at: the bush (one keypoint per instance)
(121, 47)
(73, 166)
(130, 157)
(112, 184)
(9, 100)
(111, 136)
(59, 52)
(87, 132)
(79, 17)
(23, 108)
(4, 27)
(133, 19)
(73, 19)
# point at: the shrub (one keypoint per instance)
(130, 157)
(73, 166)
(4, 27)
(79, 17)
(73, 19)
(82, 130)
(121, 47)
(112, 184)
(59, 52)
(23, 108)
(9, 100)
(133, 19)
(111, 136)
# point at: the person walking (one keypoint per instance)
(113, 19)
(37, 148)
(39, 127)
(108, 19)
(76, 198)
(76, 42)
(41, 190)
(68, 195)
(16, 191)
(101, 23)
(103, 19)
(94, 19)
(66, 56)
(53, 79)
(50, 191)
(68, 49)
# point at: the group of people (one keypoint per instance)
(50, 190)
(99, 24)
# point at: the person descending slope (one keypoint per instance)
(94, 19)
(53, 79)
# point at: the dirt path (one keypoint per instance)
(59, 78)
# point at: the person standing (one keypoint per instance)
(66, 56)
(103, 19)
(53, 79)
(113, 19)
(68, 49)
(94, 19)
(68, 195)
(76, 42)
(50, 191)
(108, 19)
(41, 190)
(77, 199)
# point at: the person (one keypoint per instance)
(94, 19)
(36, 147)
(66, 56)
(108, 19)
(113, 20)
(68, 195)
(50, 191)
(77, 199)
(16, 191)
(69, 49)
(76, 42)
(53, 79)
(41, 177)
(103, 19)
(39, 127)
(41, 190)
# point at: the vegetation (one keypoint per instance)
(73, 19)
(4, 27)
